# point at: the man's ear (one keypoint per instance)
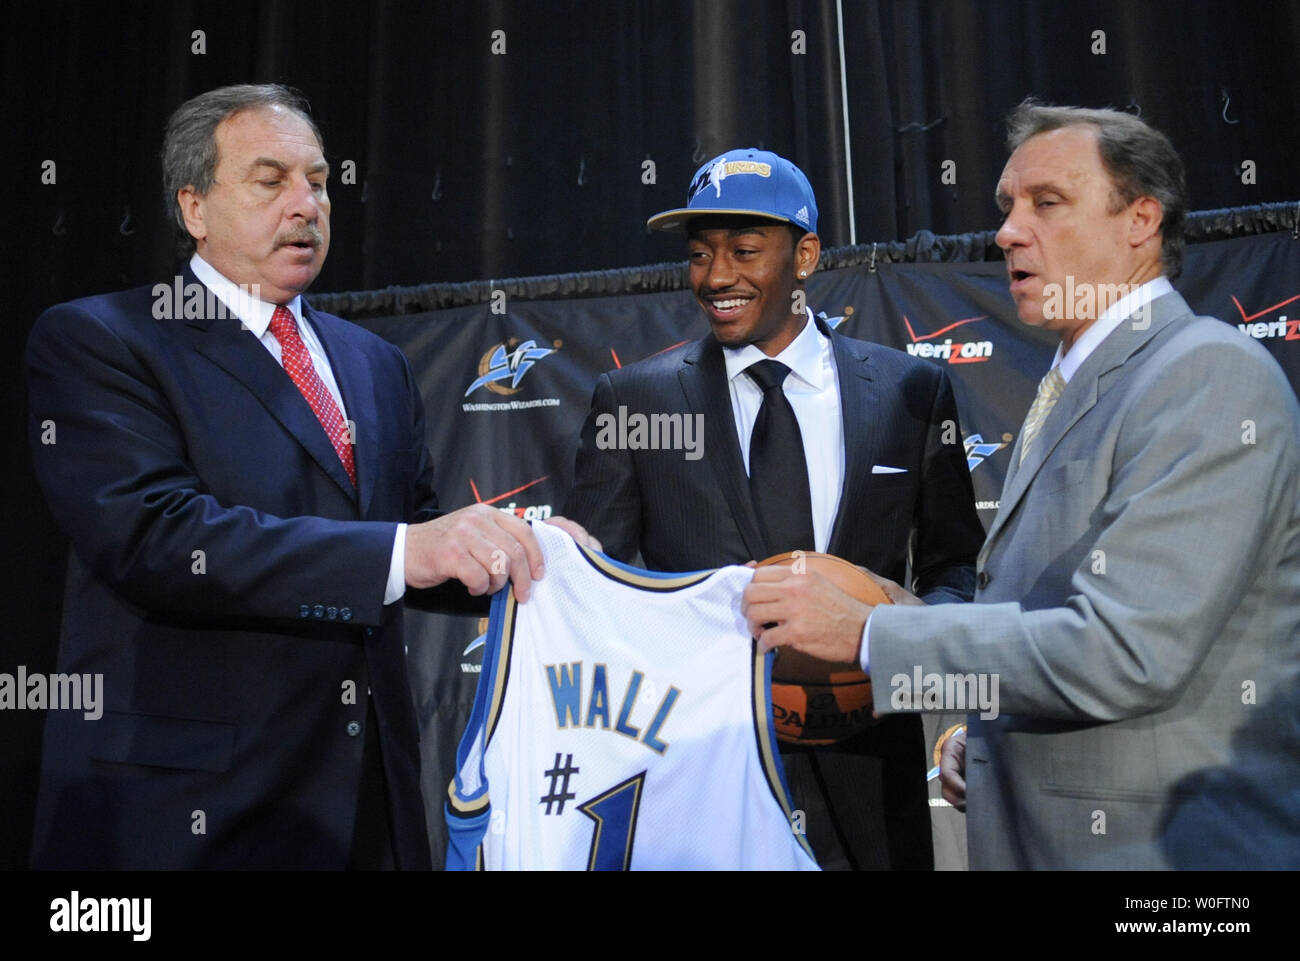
(192, 210)
(1145, 220)
(806, 254)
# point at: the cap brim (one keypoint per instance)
(677, 219)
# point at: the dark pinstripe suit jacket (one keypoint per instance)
(680, 514)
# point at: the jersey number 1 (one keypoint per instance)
(614, 812)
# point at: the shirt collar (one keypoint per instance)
(1070, 361)
(803, 355)
(253, 313)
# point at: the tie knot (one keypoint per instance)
(768, 374)
(1053, 384)
(282, 323)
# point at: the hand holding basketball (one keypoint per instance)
(811, 613)
(897, 593)
(816, 699)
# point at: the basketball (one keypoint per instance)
(815, 701)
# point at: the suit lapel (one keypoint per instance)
(229, 345)
(703, 376)
(857, 400)
(1079, 397)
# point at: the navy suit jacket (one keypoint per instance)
(227, 581)
(682, 514)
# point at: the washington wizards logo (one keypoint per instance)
(714, 174)
(499, 365)
(977, 451)
(480, 640)
(834, 322)
(717, 173)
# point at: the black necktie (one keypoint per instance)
(778, 472)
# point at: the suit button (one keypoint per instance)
(345, 613)
(370, 632)
(318, 612)
(354, 728)
(304, 611)
(331, 613)
(982, 579)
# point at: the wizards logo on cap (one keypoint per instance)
(718, 170)
(747, 182)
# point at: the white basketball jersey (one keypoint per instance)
(623, 720)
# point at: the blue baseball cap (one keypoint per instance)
(748, 181)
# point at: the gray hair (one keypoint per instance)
(1140, 160)
(189, 150)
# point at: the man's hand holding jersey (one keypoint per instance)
(483, 548)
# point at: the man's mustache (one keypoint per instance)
(307, 234)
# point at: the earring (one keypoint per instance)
(803, 274)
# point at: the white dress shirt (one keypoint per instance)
(814, 392)
(255, 315)
(1070, 361)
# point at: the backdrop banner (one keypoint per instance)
(508, 382)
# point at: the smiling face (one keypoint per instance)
(1063, 226)
(744, 274)
(265, 220)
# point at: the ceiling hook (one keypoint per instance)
(1223, 95)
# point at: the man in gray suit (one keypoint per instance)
(1137, 618)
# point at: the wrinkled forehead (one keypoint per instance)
(1065, 160)
(258, 128)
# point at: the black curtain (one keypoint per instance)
(452, 162)
(470, 164)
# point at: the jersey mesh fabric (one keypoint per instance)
(699, 789)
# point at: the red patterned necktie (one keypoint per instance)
(297, 363)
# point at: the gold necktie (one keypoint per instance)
(1049, 392)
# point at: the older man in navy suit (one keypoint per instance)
(246, 487)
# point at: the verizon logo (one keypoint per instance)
(1287, 329)
(953, 351)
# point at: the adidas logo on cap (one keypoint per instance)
(801, 215)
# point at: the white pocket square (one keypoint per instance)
(882, 469)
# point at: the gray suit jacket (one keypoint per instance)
(1139, 601)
